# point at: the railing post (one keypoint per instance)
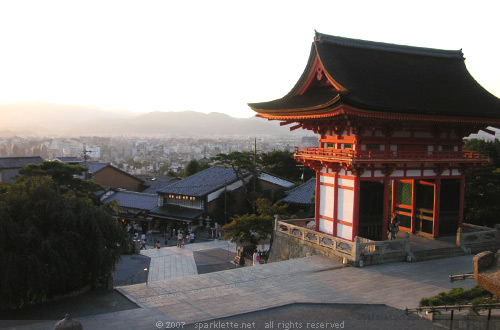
(276, 219)
(356, 250)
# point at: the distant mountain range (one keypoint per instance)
(37, 118)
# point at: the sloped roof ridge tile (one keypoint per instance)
(388, 47)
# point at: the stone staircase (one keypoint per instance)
(439, 253)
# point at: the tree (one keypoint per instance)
(251, 228)
(52, 241)
(66, 176)
(241, 163)
(192, 167)
(482, 186)
(282, 163)
(248, 228)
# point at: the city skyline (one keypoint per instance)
(210, 57)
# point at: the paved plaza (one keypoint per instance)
(181, 295)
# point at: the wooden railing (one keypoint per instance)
(358, 251)
(394, 156)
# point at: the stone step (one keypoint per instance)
(440, 253)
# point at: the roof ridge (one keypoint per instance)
(388, 47)
(134, 192)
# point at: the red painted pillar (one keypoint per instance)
(413, 206)
(335, 203)
(385, 220)
(437, 203)
(461, 202)
(355, 215)
(394, 195)
(318, 199)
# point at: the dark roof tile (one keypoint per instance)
(389, 78)
(302, 194)
(134, 200)
(202, 183)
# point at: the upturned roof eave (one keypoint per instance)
(343, 108)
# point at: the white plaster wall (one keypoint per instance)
(230, 187)
(413, 173)
(342, 172)
(345, 204)
(327, 179)
(325, 226)
(398, 173)
(326, 201)
(429, 173)
(346, 182)
(366, 174)
(393, 147)
(344, 231)
(378, 174)
(455, 172)
(430, 148)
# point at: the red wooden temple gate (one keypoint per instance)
(390, 121)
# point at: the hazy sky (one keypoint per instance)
(212, 56)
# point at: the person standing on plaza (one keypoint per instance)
(256, 258)
(394, 226)
(179, 239)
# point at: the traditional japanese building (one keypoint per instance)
(390, 121)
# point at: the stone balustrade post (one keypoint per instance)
(356, 249)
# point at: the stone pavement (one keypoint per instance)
(173, 262)
(312, 279)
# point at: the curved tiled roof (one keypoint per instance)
(133, 200)
(302, 194)
(202, 183)
(388, 78)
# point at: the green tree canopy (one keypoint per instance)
(240, 162)
(251, 228)
(52, 242)
(482, 186)
(282, 163)
(192, 167)
(66, 176)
